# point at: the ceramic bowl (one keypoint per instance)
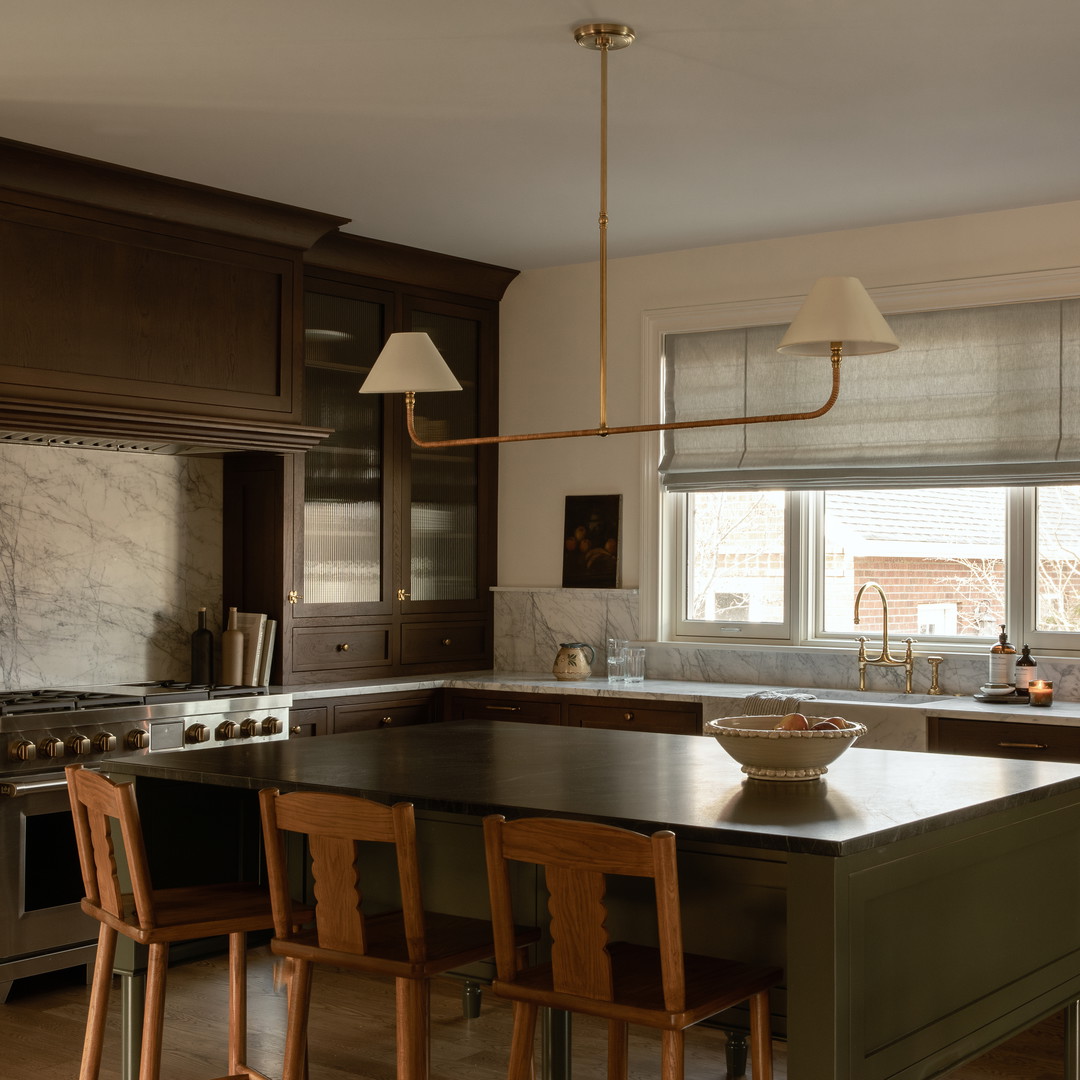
(766, 753)
(997, 690)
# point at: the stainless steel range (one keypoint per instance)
(42, 927)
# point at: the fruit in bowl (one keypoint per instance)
(789, 747)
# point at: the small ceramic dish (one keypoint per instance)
(997, 689)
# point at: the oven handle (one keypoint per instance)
(13, 789)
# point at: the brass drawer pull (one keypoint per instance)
(386, 721)
(503, 708)
(628, 716)
(447, 641)
(1025, 745)
(343, 647)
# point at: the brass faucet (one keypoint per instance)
(884, 658)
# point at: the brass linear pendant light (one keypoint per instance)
(837, 318)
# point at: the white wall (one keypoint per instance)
(550, 349)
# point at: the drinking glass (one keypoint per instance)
(635, 664)
(616, 659)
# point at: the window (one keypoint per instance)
(954, 562)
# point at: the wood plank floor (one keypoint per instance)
(352, 1033)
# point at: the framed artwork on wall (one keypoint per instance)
(591, 542)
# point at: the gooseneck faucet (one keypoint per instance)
(884, 658)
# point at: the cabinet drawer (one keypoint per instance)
(630, 716)
(324, 648)
(307, 722)
(505, 707)
(367, 716)
(984, 738)
(426, 644)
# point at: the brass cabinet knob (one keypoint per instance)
(447, 641)
(343, 647)
(296, 730)
(137, 739)
(104, 742)
(386, 721)
(403, 595)
(77, 745)
(293, 596)
(227, 729)
(197, 733)
(23, 750)
(628, 716)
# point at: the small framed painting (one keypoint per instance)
(591, 542)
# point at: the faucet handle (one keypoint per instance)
(935, 662)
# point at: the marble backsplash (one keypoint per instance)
(531, 623)
(104, 559)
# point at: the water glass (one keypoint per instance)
(616, 659)
(635, 664)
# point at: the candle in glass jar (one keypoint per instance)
(1040, 692)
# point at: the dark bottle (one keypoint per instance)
(202, 653)
(1026, 670)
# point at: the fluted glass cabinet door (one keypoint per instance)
(443, 484)
(343, 529)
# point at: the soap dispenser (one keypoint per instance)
(1002, 658)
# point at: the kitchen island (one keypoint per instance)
(924, 907)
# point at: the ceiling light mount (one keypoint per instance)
(837, 318)
(603, 36)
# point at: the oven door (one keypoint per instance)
(40, 878)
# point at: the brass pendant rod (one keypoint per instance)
(603, 44)
(603, 432)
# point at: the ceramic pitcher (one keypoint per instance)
(571, 661)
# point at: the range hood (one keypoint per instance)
(90, 442)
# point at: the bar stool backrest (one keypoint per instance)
(333, 825)
(97, 802)
(577, 856)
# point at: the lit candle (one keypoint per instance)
(1040, 692)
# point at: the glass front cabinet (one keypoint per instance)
(376, 556)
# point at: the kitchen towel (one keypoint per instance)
(770, 702)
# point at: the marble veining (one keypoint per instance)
(104, 559)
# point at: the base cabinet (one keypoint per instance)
(987, 738)
(620, 714)
(368, 712)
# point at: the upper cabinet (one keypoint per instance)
(377, 556)
(142, 308)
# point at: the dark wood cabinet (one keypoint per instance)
(140, 308)
(621, 714)
(987, 738)
(367, 712)
(376, 556)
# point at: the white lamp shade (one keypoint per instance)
(838, 309)
(409, 361)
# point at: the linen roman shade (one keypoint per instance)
(974, 396)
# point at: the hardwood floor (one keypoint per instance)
(352, 1033)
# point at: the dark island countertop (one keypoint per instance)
(633, 779)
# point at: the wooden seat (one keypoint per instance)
(155, 918)
(410, 945)
(660, 987)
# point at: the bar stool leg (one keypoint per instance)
(618, 1053)
(413, 1028)
(157, 967)
(99, 1004)
(237, 1001)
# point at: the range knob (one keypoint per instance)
(104, 742)
(272, 726)
(78, 745)
(51, 747)
(249, 728)
(197, 733)
(227, 729)
(23, 750)
(137, 739)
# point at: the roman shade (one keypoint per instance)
(974, 396)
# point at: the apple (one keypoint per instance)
(825, 725)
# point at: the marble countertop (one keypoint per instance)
(632, 779)
(895, 721)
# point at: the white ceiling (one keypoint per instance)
(471, 126)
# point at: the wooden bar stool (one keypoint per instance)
(660, 987)
(155, 918)
(411, 945)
